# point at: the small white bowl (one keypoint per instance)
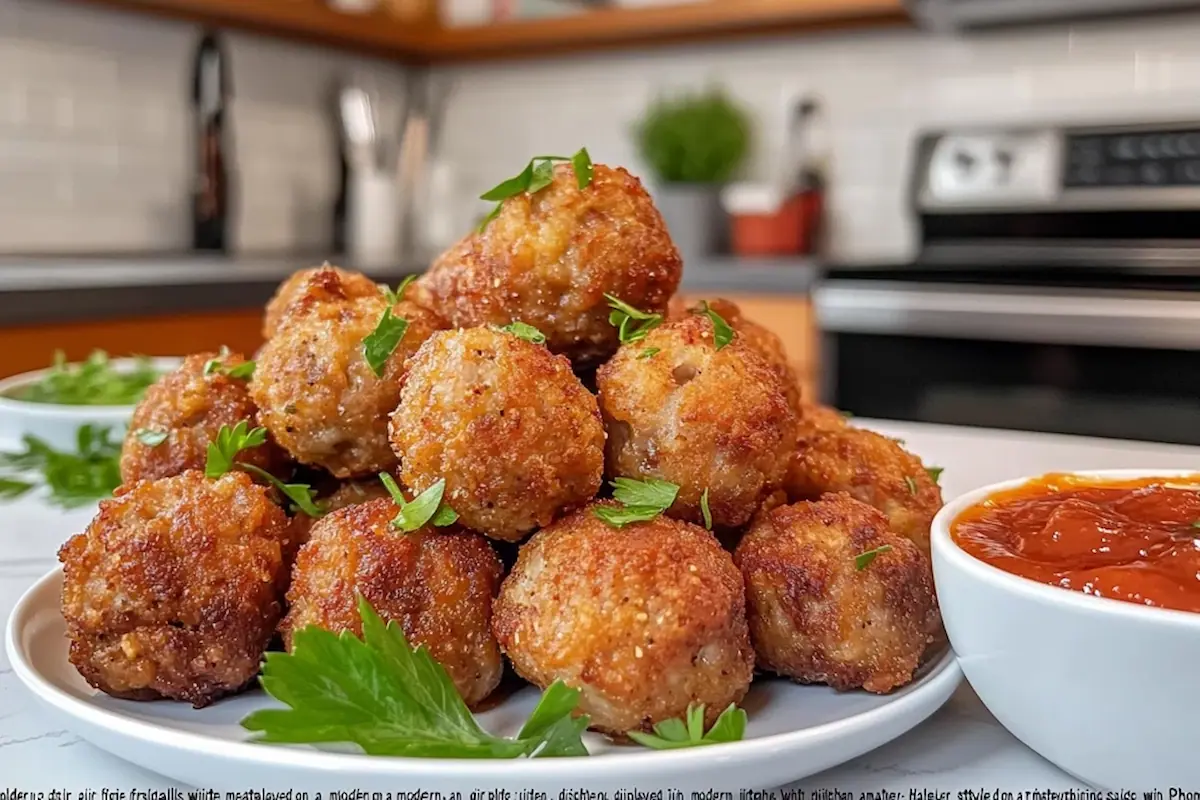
(57, 424)
(1105, 689)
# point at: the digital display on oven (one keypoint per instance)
(1133, 159)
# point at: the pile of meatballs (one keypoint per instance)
(182, 582)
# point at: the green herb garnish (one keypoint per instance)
(150, 437)
(94, 382)
(215, 366)
(390, 699)
(301, 494)
(624, 316)
(230, 442)
(73, 479)
(722, 333)
(672, 734)
(523, 331)
(934, 473)
(649, 352)
(704, 510)
(864, 559)
(537, 175)
(394, 297)
(911, 483)
(379, 344)
(642, 501)
(425, 508)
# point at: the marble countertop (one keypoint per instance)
(962, 747)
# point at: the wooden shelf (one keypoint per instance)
(600, 29)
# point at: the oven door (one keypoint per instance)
(1112, 363)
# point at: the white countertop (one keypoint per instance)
(961, 747)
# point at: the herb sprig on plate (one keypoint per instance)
(75, 479)
(722, 333)
(92, 382)
(390, 699)
(864, 559)
(641, 501)
(425, 508)
(231, 441)
(632, 324)
(673, 734)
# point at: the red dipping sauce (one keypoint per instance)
(1132, 540)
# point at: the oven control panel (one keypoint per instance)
(1059, 168)
(1150, 158)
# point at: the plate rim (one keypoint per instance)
(945, 676)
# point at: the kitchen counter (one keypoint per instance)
(45, 290)
(961, 747)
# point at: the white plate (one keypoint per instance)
(794, 731)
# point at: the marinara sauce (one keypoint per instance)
(1132, 540)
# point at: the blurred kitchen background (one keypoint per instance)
(980, 212)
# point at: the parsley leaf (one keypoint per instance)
(244, 370)
(396, 296)
(390, 699)
(150, 437)
(12, 488)
(623, 317)
(425, 508)
(301, 494)
(93, 382)
(722, 333)
(379, 344)
(642, 501)
(230, 442)
(934, 473)
(911, 483)
(704, 510)
(672, 734)
(90, 473)
(649, 352)
(537, 175)
(523, 331)
(864, 559)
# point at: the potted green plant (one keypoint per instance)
(694, 144)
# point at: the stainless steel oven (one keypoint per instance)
(1057, 288)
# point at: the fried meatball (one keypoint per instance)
(697, 417)
(437, 584)
(816, 616)
(643, 619)
(175, 588)
(764, 342)
(816, 418)
(504, 421)
(307, 284)
(317, 394)
(871, 468)
(191, 408)
(549, 258)
(336, 496)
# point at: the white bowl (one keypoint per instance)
(57, 424)
(1105, 689)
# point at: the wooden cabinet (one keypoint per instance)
(427, 42)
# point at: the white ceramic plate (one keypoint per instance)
(794, 731)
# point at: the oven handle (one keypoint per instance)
(1163, 320)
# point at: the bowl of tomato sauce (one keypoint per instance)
(1073, 603)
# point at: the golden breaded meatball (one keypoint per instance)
(816, 418)
(816, 616)
(871, 468)
(504, 421)
(175, 588)
(308, 284)
(338, 495)
(191, 408)
(549, 258)
(317, 394)
(766, 343)
(697, 417)
(643, 619)
(438, 584)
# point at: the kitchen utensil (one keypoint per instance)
(358, 123)
(211, 190)
(373, 230)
